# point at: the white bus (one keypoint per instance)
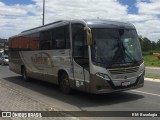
(95, 56)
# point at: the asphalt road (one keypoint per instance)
(143, 99)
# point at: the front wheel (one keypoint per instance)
(64, 83)
(24, 74)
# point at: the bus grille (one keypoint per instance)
(123, 70)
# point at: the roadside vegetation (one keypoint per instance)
(151, 52)
(150, 59)
(151, 55)
(155, 76)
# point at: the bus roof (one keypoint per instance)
(44, 27)
(102, 23)
(93, 23)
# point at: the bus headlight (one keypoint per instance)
(103, 76)
(141, 72)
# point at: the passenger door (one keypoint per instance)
(80, 56)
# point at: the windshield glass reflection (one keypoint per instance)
(115, 47)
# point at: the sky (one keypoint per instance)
(20, 15)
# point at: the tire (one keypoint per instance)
(64, 83)
(24, 74)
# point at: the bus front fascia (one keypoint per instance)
(101, 79)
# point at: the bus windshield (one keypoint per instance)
(115, 47)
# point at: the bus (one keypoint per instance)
(94, 56)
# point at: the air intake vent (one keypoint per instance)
(123, 70)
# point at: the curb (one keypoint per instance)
(152, 79)
(153, 68)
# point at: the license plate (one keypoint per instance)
(126, 83)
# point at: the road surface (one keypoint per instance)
(143, 99)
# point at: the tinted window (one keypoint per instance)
(56, 38)
(46, 38)
(24, 43)
(59, 38)
(80, 49)
(78, 40)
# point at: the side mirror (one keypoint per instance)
(89, 35)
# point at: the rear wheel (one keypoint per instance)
(64, 83)
(24, 74)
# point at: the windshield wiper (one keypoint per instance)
(115, 59)
(130, 55)
(118, 58)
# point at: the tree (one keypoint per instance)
(158, 45)
(154, 45)
(146, 44)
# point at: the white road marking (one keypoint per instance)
(146, 93)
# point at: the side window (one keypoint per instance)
(67, 37)
(29, 42)
(80, 49)
(78, 39)
(33, 41)
(46, 37)
(55, 38)
(61, 38)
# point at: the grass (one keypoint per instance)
(155, 76)
(150, 60)
(150, 52)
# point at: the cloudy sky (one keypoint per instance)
(19, 15)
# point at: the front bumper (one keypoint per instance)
(99, 85)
